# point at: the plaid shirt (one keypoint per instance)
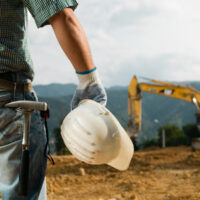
(14, 54)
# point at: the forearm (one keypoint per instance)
(72, 39)
(74, 43)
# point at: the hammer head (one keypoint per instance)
(28, 105)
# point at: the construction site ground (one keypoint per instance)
(154, 174)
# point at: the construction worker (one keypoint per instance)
(16, 75)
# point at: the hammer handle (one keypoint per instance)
(28, 105)
(24, 173)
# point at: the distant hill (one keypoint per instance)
(117, 88)
(165, 110)
(54, 89)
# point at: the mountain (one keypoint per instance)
(55, 89)
(154, 107)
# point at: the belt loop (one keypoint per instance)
(17, 77)
(14, 91)
(15, 83)
(24, 90)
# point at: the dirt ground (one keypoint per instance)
(154, 174)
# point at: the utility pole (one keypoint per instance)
(163, 134)
(163, 138)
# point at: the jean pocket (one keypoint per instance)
(11, 126)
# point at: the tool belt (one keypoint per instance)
(11, 82)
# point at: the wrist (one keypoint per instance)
(88, 78)
(87, 71)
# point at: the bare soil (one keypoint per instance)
(154, 174)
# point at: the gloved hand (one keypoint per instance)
(90, 87)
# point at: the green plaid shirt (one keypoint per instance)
(14, 54)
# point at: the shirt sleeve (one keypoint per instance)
(42, 10)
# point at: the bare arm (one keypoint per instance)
(74, 43)
(72, 39)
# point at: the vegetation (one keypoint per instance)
(174, 136)
(60, 146)
(191, 131)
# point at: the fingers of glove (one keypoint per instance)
(94, 92)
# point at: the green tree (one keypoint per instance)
(174, 136)
(191, 131)
(61, 149)
(150, 143)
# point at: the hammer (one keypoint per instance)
(27, 108)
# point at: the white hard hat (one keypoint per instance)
(94, 135)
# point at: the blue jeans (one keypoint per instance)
(11, 130)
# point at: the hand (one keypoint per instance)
(90, 87)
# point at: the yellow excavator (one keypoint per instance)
(186, 93)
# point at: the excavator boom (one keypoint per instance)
(134, 107)
(172, 90)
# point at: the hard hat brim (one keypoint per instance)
(122, 161)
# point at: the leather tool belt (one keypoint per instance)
(10, 82)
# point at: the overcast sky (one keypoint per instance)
(150, 38)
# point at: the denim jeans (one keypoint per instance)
(11, 130)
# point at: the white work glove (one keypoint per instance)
(90, 87)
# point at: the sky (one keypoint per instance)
(148, 38)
